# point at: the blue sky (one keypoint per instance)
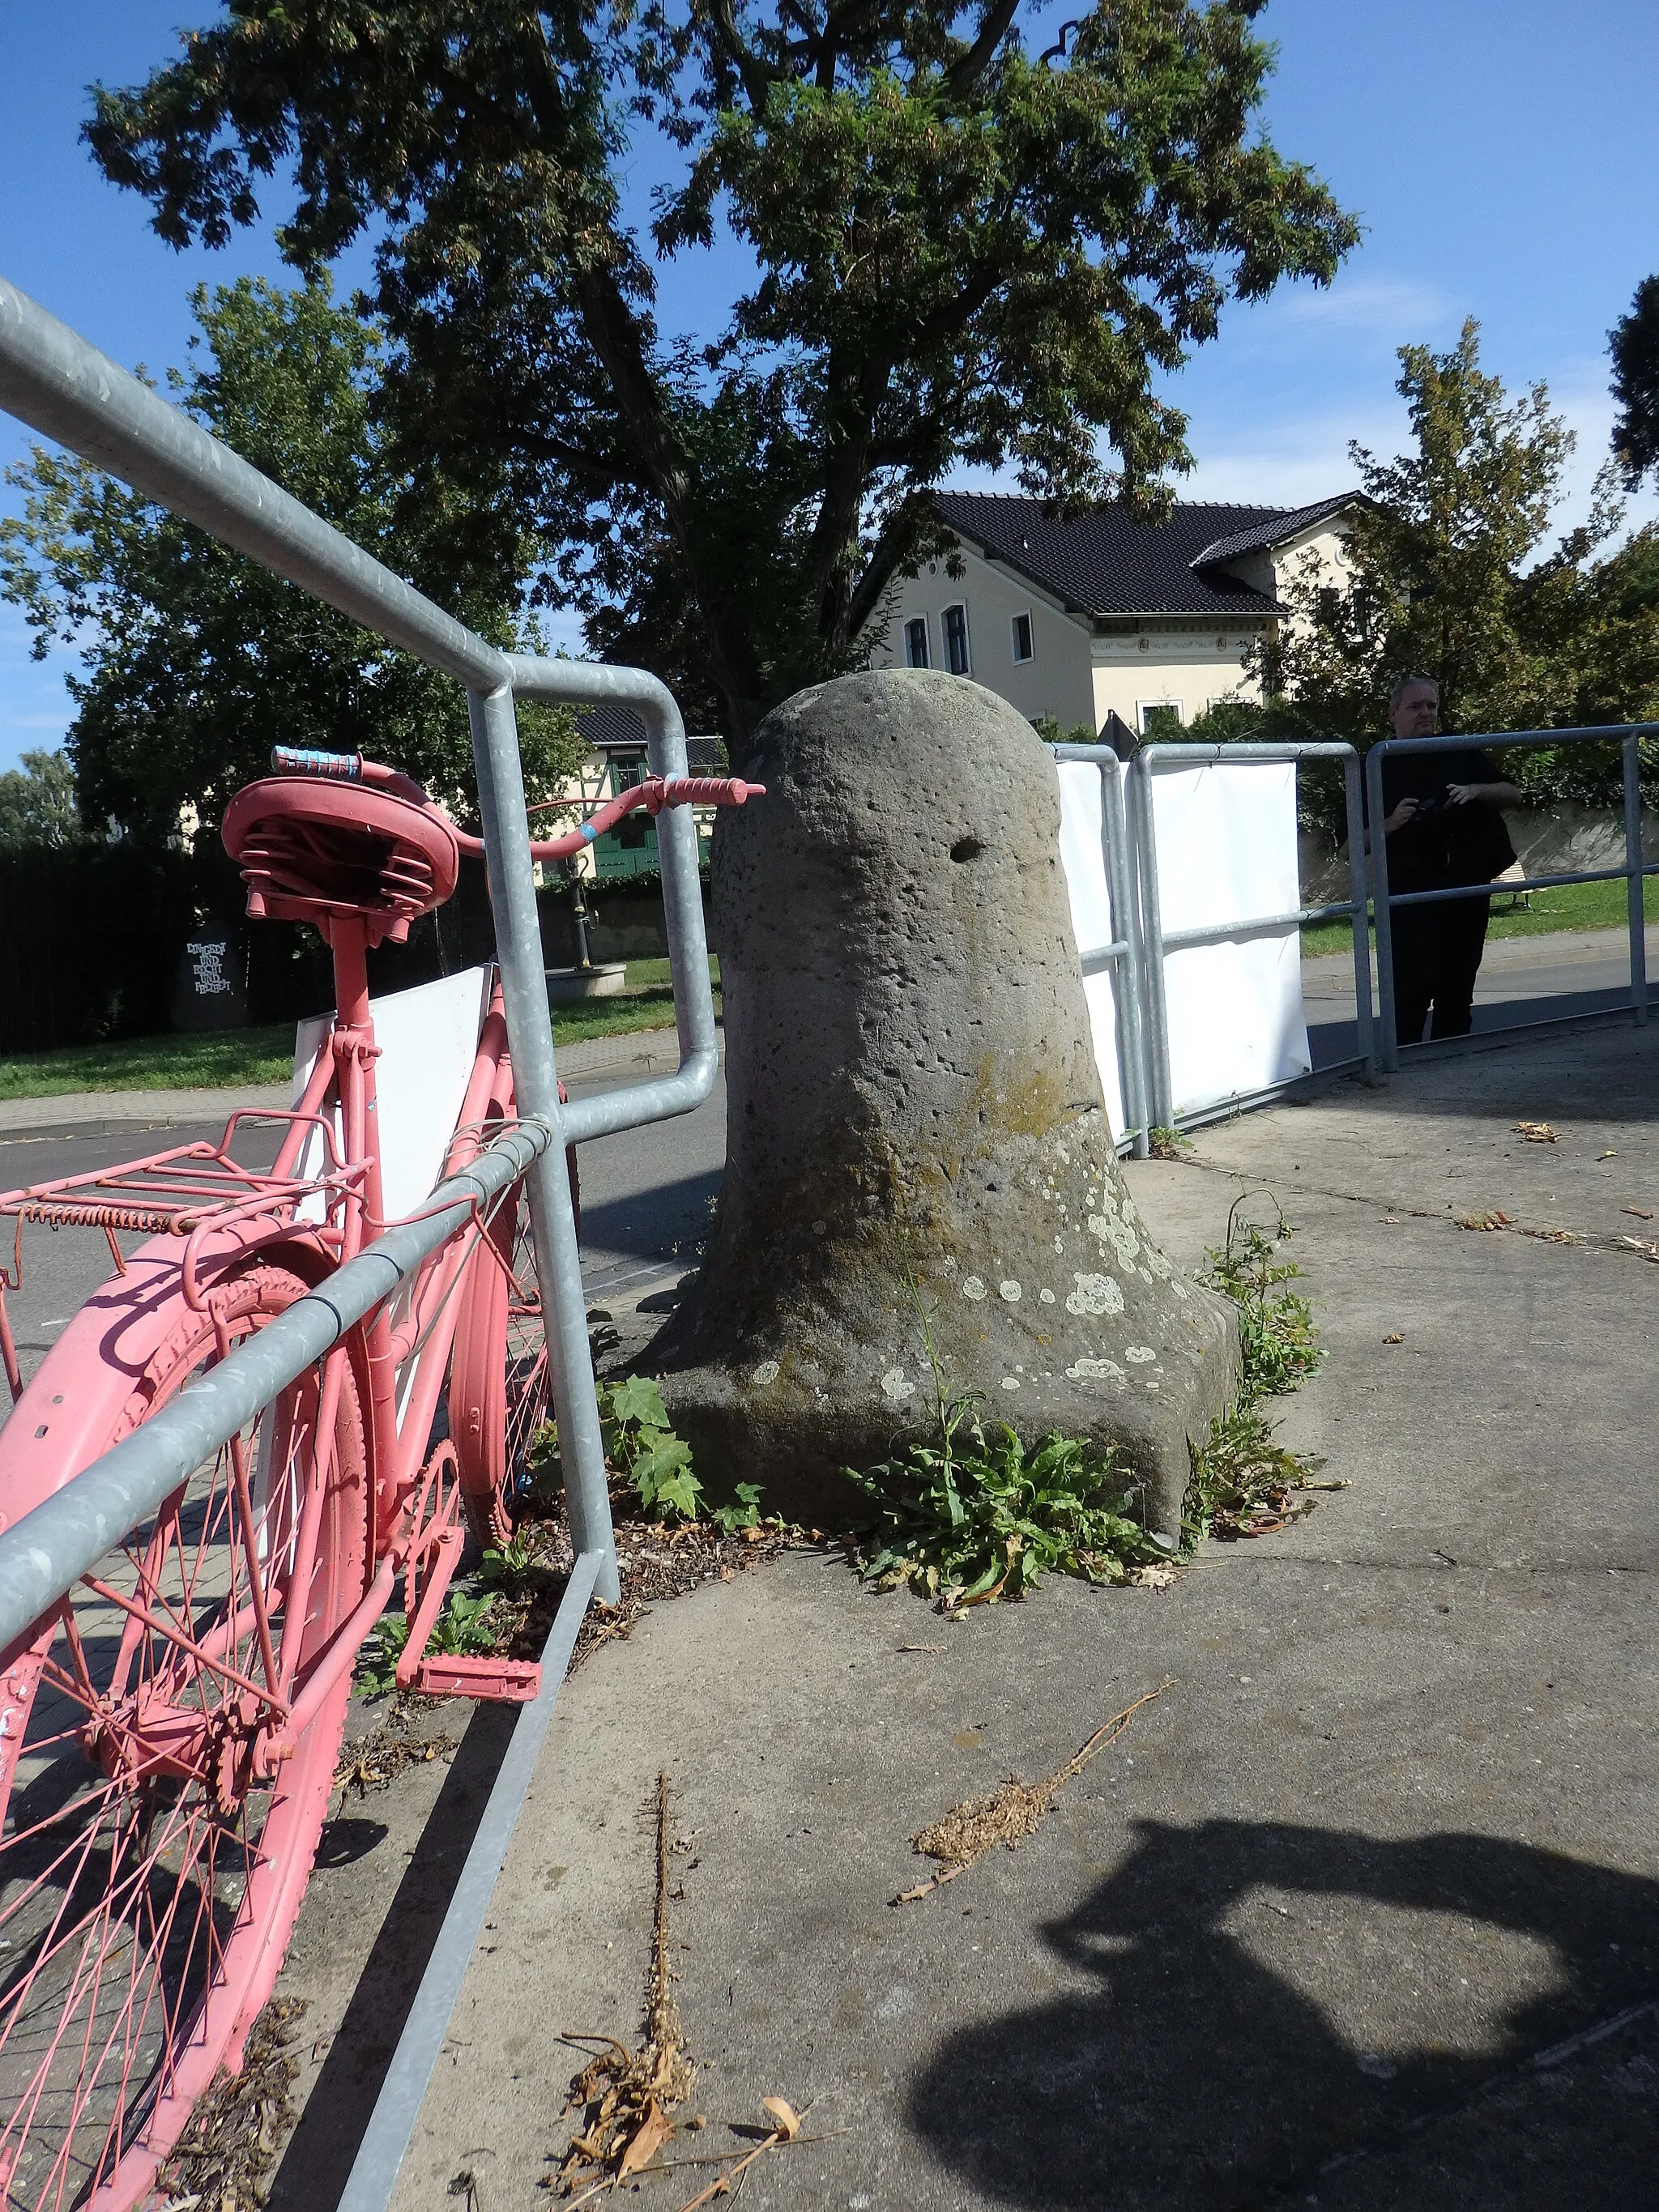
(1501, 154)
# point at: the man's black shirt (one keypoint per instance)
(1443, 844)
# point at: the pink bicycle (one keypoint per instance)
(169, 1731)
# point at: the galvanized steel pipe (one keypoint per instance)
(50, 1548)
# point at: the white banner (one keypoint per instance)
(1226, 852)
(1091, 919)
(428, 1039)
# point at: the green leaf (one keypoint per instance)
(682, 1493)
(640, 1399)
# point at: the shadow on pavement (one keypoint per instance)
(1194, 2073)
(337, 2111)
(646, 1224)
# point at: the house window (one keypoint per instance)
(1023, 649)
(915, 642)
(1159, 718)
(954, 622)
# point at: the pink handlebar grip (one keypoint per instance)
(655, 793)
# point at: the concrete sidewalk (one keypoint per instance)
(1299, 1939)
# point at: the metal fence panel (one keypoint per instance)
(1123, 953)
(1155, 942)
(1628, 736)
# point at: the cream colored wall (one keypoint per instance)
(1079, 678)
(1055, 681)
(1319, 557)
(1160, 663)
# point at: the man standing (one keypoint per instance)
(1443, 828)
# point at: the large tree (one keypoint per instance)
(194, 660)
(974, 239)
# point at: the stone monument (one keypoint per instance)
(921, 1191)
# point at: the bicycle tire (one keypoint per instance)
(500, 1389)
(145, 1912)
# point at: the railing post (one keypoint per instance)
(536, 1087)
(1353, 800)
(1635, 903)
(1388, 1046)
(1143, 836)
(1128, 985)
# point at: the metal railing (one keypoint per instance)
(1157, 943)
(1122, 953)
(1628, 736)
(57, 383)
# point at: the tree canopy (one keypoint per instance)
(194, 660)
(968, 245)
(1450, 575)
(37, 805)
(1634, 343)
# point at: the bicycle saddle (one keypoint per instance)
(310, 851)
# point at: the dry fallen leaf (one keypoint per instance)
(783, 2116)
(1536, 1132)
(654, 2130)
(1638, 1212)
(1153, 1576)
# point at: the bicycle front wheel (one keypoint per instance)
(160, 1824)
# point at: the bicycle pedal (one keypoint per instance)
(505, 1681)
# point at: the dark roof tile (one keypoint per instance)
(1108, 563)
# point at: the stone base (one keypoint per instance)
(565, 986)
(1028, 1279)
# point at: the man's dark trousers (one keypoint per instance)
(1437, 957)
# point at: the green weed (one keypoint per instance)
(461, 1629)
(1164, 1143)
(975, 1518)
(971, 1517)
(643, 1454)
(1281, 1341)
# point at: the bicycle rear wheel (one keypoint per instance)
(156, 1842)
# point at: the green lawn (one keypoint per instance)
(232, 1057)
(1568, 906)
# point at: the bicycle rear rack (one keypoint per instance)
(195, 1191)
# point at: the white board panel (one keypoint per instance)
(1080, 804)
(428, 1039)
(1226, 852)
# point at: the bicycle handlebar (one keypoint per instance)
(654, 795)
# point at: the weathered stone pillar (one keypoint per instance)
(916, 1145)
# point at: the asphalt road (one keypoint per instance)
(648, 1195)
(1523, 979)
(647, 1198)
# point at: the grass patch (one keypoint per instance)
(220, 1059)
(1566, 907)
(230, 1059)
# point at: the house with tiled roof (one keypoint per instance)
(1107, 614)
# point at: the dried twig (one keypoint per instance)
(224, 2156)
(1008, 1815)
(628, 2095)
